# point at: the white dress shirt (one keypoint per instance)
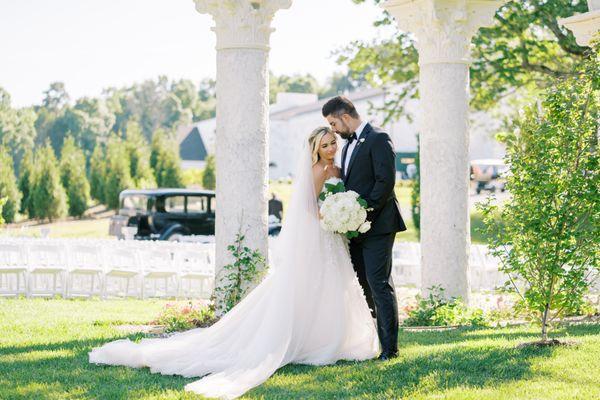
(352, 145)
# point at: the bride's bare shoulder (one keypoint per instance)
(318, 171)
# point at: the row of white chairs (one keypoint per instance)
(484, 269)
(105, 268)
(108, 267)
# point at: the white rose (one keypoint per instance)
(364, 227)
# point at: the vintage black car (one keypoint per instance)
(168, 214)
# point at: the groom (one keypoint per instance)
(368, 168)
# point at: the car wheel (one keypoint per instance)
(176, 237)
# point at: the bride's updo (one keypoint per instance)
(314, 140)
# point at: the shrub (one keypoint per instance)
(435, 310)
(548, 239)
(177, 317)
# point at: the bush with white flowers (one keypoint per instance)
(343, 211)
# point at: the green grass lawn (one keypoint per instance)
(44, 346)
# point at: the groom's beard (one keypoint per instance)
(345, 132)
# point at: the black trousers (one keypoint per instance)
(372, 260)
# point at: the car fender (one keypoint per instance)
(171, 229)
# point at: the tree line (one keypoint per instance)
(58, 156)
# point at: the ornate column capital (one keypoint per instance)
(443, 28)
(584, 26)
(242, 24)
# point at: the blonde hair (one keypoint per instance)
(314, 140)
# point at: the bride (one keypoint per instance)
(309, 310)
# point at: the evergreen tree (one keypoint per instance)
(165, 161)
(118, 175)
(98, 173)
(48, 194)
(74, 180)
(8, 186)
(26, 184)
(209, 177)
(137, 148)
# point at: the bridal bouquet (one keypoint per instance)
(343, 211)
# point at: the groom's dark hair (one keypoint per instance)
(338, 106)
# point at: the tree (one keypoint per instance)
(48, 195)
(525, 50)
(294, 83)
(17, 129)
(547, 233)
(118, 175)
(56, 97)
(152, 104)
(165, 161)
(139, 152)
(2, 203)
(209, 176)
(73, 177)
(26, 184)
(339, 83)
(98, 173)
(8, 186)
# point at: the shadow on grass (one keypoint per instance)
(61, 370)
(404, 376)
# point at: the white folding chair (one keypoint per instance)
(158, 267)
(406, 264)
(476, 268)
(46, 263)
(121, 267)
(13, 270)
(84, 262)
(494, 278)
(194, 266)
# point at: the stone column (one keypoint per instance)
(443, 30)
(243, 29)
(585, 26)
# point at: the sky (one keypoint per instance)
(94, 44)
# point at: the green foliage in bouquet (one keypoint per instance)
(332, 188)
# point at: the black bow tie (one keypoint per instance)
(352, 138)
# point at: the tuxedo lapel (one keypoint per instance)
(359, 145)
(344, 155)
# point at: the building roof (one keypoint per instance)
(309, 108)
(191, 145)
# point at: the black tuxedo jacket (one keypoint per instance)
(372, 174)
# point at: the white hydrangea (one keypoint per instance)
(342, 213)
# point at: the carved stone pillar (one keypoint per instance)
(443, 30)
(585, 26)
(243, 29)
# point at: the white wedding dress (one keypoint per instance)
(310, 309)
